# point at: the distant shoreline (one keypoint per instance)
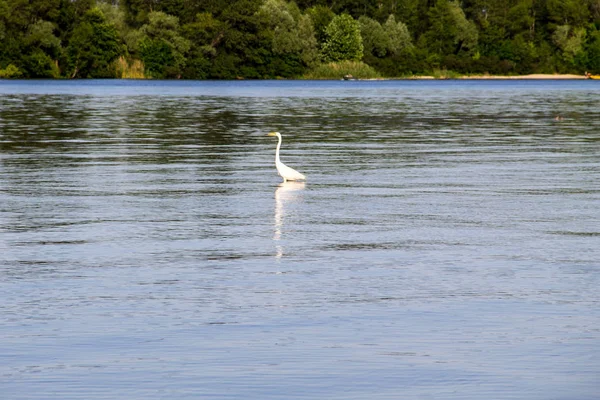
(414, 77)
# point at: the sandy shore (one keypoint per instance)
(532, 76)
(500, 77)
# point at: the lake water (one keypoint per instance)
(446, 244)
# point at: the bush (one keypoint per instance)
(40, 65)
(337, 70)
(10, 72)
(444, 74)
(157, 56)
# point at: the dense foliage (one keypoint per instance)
(218, 39)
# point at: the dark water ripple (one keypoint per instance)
(446, 243)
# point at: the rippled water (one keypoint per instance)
(446, 244)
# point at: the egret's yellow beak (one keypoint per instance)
(272, 134)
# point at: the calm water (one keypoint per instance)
(445, 246)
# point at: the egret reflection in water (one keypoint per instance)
(286, 194)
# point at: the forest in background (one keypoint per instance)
(262, 39)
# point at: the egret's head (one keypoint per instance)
(273, 134)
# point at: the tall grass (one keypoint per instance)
(129, 69)
(337, 70)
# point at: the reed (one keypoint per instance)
(129, 69)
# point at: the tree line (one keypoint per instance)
(257, 39)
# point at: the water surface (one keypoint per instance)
(446, 244)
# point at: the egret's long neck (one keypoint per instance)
(277, 151)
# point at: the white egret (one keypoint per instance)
(287, 173)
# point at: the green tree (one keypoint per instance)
(375, 39)
(568, 12)
(343, 39)
(355, 8)
(450, 31)
(292, 33)
(137, 11)
(41, 48)
(205, 34)
(23, 13)
(281, 19)
(595, 12)
(162, 48)
(27, 33)
(70, 14)
(245, 50)
(41, 34)
(570, 41)
(593, 53)
(269, 38)
(398, 36)
(310, 48)
(321, 17)
(116, 16)
(3, 14)
(521, 52)
(93, 47)
(521, 19)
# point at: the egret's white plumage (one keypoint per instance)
(287, 173)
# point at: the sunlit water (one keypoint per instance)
(445, 246)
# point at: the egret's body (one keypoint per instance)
(287, 173)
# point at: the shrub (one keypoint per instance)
(10, 72)
(337, 70)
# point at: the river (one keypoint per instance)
(446, 243)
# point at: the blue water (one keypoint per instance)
(446, 244)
